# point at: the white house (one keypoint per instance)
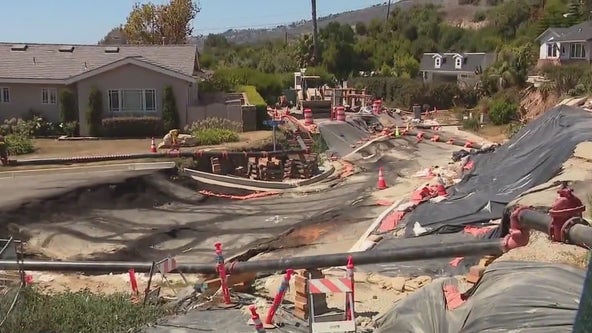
(565, 45)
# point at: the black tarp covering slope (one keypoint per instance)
(510, 297)
(532, 157)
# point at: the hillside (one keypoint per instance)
(454, 13)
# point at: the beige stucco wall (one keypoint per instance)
(26, 97)
(231, 111)
(132, 77)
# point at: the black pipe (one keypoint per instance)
(578, 234)
(488, 247)
(119, 157)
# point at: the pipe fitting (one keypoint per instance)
(565, 208)
(518, 235)
(565, 229)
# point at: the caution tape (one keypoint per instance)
(254, 195)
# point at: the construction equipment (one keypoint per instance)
(309, 94)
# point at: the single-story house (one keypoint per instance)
(130, 78)
(565, 45)
(462, 68)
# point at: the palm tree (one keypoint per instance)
(315, 37)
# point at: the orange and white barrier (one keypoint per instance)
(340, 113)
(326, 286)
(308, 119)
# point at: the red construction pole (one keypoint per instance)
(133, 281)
(349, 306)
(221, 268)
(279, 297)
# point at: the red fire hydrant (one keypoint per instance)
(565, 207)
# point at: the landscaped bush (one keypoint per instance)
(132, 127)
(170, 114)
(18, 136)
(214, 136)
(260, 106)
(94, 114)
(268, 85)
(406, 92)
(214, 123)
(77, 312)
(214, 131)
(68, 111)
(502, 112)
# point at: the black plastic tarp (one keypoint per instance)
(511, 296)
(532, 157)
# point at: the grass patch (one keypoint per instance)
(78, 312)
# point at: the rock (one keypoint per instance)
(398, 283)
(417, 283)
(374, 238)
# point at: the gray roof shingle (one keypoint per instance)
(45, 61)
(471, 61)
(576, 33)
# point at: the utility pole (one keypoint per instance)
(315, 37)
(388, 11)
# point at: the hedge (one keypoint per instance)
(255, 98)
(132, 127)
(406, 92)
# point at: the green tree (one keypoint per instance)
(361, 29)
(406, 66)
(94, 114)
(68, 111)
(170, 114)
(160, 24)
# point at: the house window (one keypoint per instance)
(132, 100)
(458, 63)
(4, 95)
(437, 62)
(49, 96)
(552, 50)
(577, 51)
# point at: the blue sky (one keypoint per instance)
(87, 21)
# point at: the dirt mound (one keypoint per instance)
(534, 103)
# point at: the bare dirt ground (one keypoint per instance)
(67, 148)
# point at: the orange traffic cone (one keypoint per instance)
(381, 182)
(153, 146)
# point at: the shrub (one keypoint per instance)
(94, 114)
(214, 136)
(69, 128)
(260, 106)
(502, 112)
(132, 127)
(471, 124)
(68, 111)
(170, 114)
(19, 144)
(214, 123)
(78, 312)
(268, 85)
(18, 134)
(406, 92)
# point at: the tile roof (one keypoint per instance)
(471, 61)
(45, 61)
